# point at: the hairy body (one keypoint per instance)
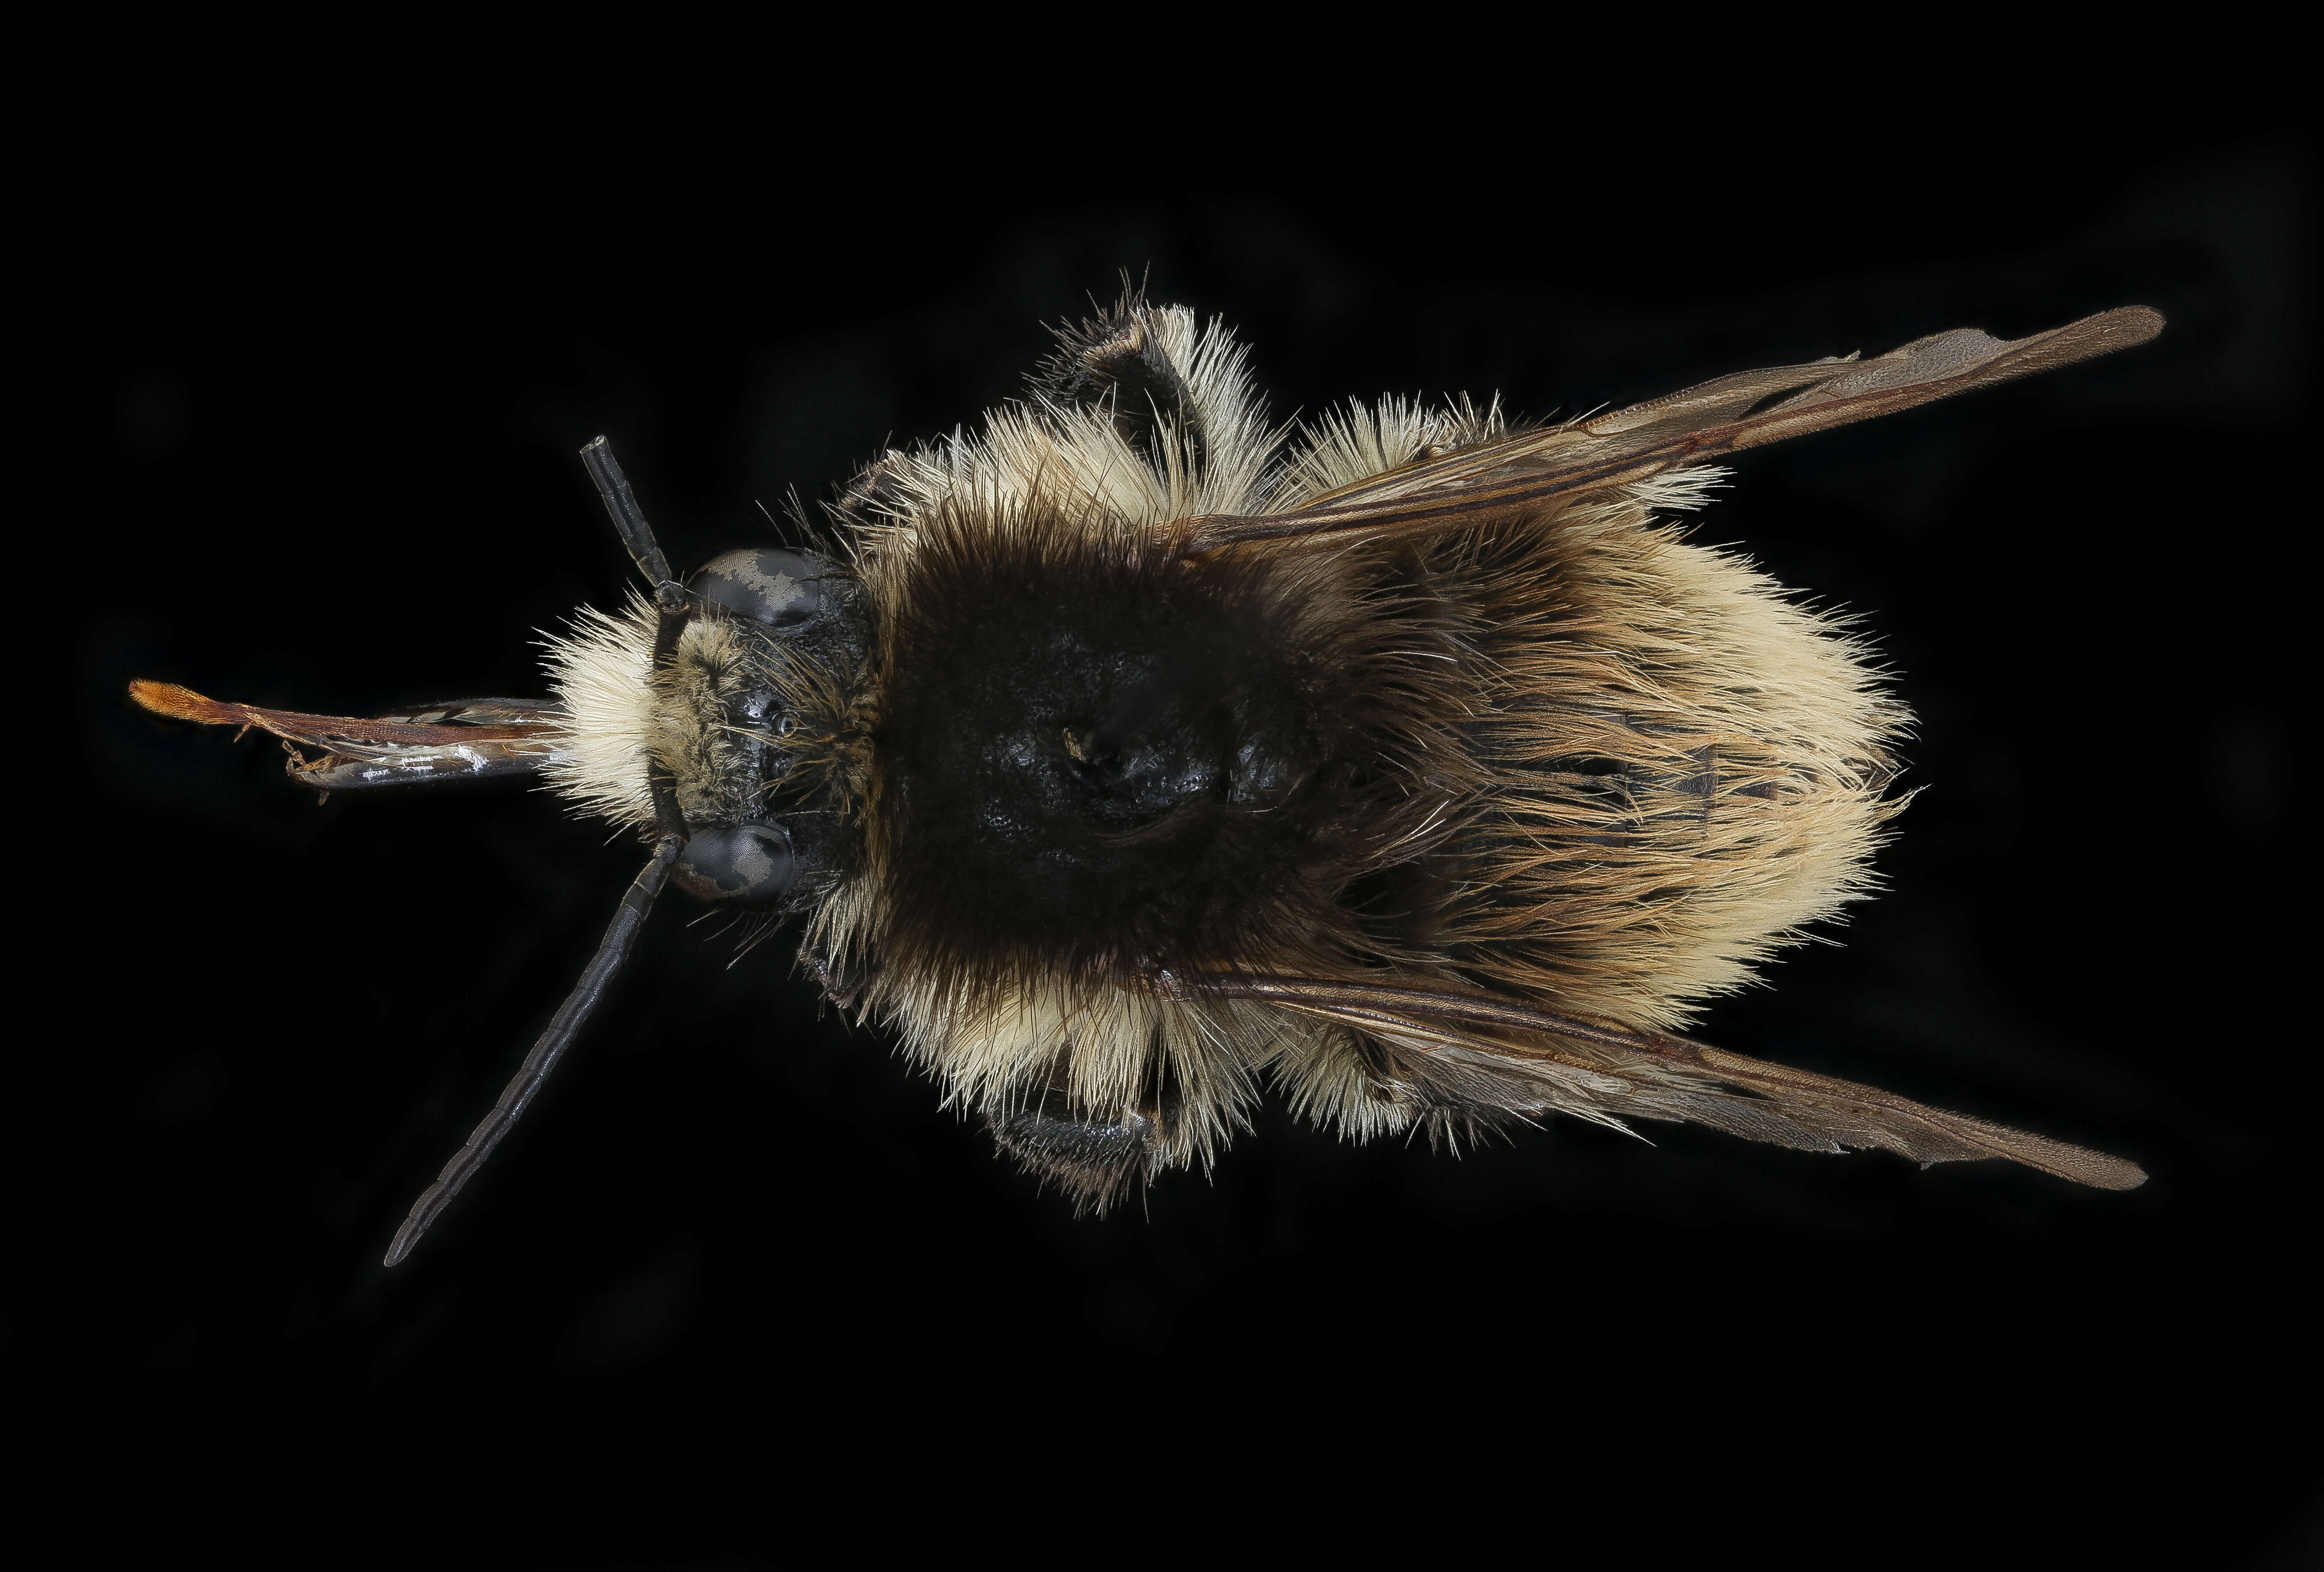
(1566, 757)
(1133, 754)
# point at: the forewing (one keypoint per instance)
(1696, 426)
(459, 739)
(1500, 1057)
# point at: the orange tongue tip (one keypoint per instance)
(184, 703)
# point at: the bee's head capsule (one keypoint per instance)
(769, 585)
(739, 865)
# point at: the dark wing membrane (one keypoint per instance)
(1499, 1057)
(1747, 409)
(458, 741)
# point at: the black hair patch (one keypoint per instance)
(1095, 754)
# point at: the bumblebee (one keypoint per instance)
(1135, 755)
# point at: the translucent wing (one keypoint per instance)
(1747, 409)
(1488, 1056)
(456, 741)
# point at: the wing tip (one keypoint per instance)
(2135, 323)
(2116, 1173)
(2124, 327)
(2077, 1164)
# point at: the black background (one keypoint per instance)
(739, 1270)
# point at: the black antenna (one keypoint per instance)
(620, 938)
(636, 534)
(629, 917)
(670, 599)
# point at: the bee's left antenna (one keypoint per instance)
(620, 938)
(670, 599)
(636, 534)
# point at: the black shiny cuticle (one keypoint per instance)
(745, 865)
(771, 586)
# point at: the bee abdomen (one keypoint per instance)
(1687, 768)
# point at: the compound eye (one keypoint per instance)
(781, 589)
(741, 865)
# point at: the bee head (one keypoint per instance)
(757, 622)
(672, 719)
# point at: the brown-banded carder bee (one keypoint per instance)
(1135, 755)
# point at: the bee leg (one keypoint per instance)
(872, 498)
(1118, 362)
(1093, 1161)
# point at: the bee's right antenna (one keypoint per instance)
(620, 938)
